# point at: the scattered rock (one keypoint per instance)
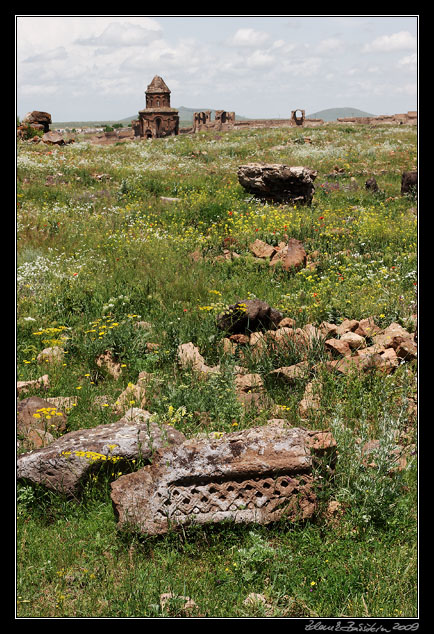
(409, 183)
(293, 372)
(107, 362)
(248, 315)
(287, 322)
(240, 338)
(367, 328)
(189, 357)
(134, 394)
(229, 347)
(168, 199)
(311, 400)
(292, 257)
(196, 256)
(371, 185)
(63, 403)
(407, 350)
(354, 340)
(261, 249)
(51, 355)
(327, 329)
(26, 386)
(348, 325)
(37, 421)
(37, 117)
(53, 138)
(254, 599)
(366, 363)
(178, 603)
(248, 383)
(66, 463)
(338, 347)
(392, 336)
(279, 183)
(257, 475)
(250, 391)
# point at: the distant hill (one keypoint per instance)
(331, 114)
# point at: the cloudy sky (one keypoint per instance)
(98, 67)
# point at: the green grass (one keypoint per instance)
(97, 256)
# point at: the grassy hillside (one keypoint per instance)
(105, 262)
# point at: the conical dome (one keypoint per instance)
(157, 85)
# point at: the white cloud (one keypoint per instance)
(409, 62)
(119, 34)
(248, 38)
(58, 53)
(306, 66)
(259, 59)
(403, 40)
(330, 45)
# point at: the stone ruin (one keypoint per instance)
(259, 475)
(298, 118)
(223, 120)
(409, 118)
(158, 119)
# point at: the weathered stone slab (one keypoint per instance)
(257, 475)
(277, 182)
(66, 463)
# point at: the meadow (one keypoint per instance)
(100, 249)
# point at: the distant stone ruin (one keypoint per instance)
(298, 118)
(409, 118)
(223, 120)
(158, 119)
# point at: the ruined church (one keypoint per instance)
(158, 119)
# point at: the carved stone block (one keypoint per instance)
(258, 475)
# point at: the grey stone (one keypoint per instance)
(66, 463)
(277, 182)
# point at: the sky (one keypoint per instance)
(97, 67)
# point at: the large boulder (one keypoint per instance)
(409, 183)
(65, 464)
(248, 315)
(278, 183)
(39, 118)
(53, 138)
(258, 475)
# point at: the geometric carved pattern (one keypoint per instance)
(271, 494)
